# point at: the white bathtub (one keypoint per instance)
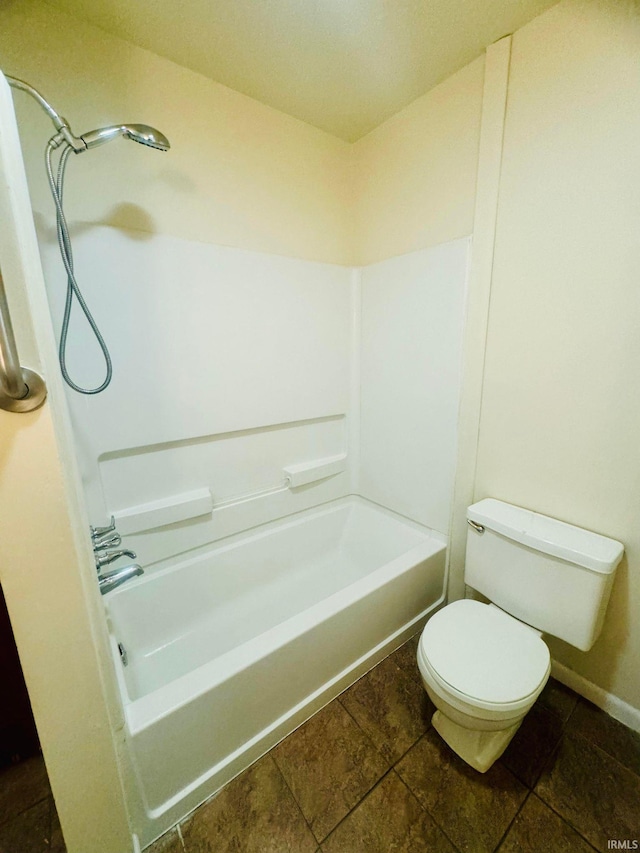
(230, 650)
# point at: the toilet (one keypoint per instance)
(484, 664)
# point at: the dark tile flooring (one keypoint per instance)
(28, 818)
(368, 774)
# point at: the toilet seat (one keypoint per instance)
(484, 658)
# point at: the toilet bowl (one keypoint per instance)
(483, 670)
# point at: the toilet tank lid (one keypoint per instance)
(548, 535)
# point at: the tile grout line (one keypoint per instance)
(17, 814)
(601, 749)
(529, 791)
(348, 712)
(559, 716)
(50, 828)
(392, 768)
(589, 742)
(365, 794)
(413, 794)
(392, 763)
(295, 799)
(415, 743)
(548, 764)
(426, 810)
(550, 761)
(396, 761)
(543, 765)
(359, 803)
(565, 821)
(512, 821)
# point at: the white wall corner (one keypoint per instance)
(494, 102)
(353, 418)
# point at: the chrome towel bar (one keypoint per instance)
(21, 389)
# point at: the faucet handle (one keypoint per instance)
(108, 540)
(112, 556)
(98, 532)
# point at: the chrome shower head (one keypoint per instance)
(141, 133)
(148, 136)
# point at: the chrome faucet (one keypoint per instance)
(115, 578)
(112, 556)
(107, 540)
(105, 537)
(99, 532)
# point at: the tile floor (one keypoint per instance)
(28, 819)
(368, 774)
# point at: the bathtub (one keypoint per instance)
(229, 650)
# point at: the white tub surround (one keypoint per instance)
(231, 649)
(411, 365)
(254, 397)
(274, 384)
(230, 367)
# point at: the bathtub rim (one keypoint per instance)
(193, 555)
(142, 712)
(145, 711)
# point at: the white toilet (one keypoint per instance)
(484, 665)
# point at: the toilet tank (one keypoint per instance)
(551, 575)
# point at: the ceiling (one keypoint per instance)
(342, 65)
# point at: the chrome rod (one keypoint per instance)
(21, 389)
(12, 381)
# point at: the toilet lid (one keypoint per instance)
(484, 653)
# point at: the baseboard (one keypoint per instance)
(613, 705)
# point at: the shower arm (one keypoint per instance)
(64, 133)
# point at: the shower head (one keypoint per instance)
(141, 133)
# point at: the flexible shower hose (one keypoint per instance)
(73, 289)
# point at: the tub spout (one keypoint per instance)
(111, 580)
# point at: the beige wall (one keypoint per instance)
(415, 175)
(560, 422)
(54, 630)
(239, 173)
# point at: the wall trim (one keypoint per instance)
(353, 417)
(613, 705)
(494, 107)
